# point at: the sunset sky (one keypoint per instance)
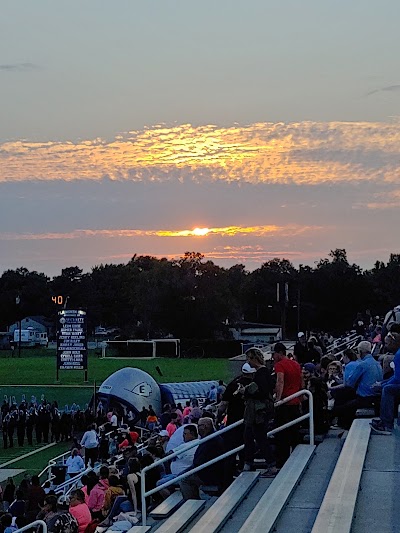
(242, 130)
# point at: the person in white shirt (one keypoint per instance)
(114, 420)
(183, 461)
(74, 463)
(90, 441)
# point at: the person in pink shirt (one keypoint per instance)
(187, 411)
(173, 425)
(97, 494)
(79, 509)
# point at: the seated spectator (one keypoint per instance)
(350, 361)
(196, 413)
(165, 418)
(163, 438)
(212, 475)
(59, 519)
(173, 425)
(152, 420)
(183, 461)
(129, 438)
(97, 494)
(115, 489)
(133, 480)
(74, 463)
(17, 508)
(364, 376)
(186, 412)
(177, 409)
(390, 391)
(6, 521)
(334, 374)
(79, 509)
(308, 372)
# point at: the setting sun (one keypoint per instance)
(200, 232)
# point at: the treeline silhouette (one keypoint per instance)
(195, 298)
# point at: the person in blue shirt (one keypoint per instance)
(390, 390)
(362, 378)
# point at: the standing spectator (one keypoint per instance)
(212, 394)
(79, 510)
(220, 390)
(144, 413)
(288, 382)
(90, 441)
(300, 350)
(258, 408)
(8, 494)
(17, 508)
(74, 463)
(36, 498)
(114, 420)
(152, 420)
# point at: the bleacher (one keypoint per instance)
(348, 483)
(318, 491)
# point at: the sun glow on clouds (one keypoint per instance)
(230, 231)
(308, 153)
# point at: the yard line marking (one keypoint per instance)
(28, 454)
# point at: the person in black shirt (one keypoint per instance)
(258, 397)
(233, 405)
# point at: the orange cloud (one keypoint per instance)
(302, 153)
(229, 231)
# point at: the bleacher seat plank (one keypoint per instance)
(139, 529)
(216, 516)
(270, 506)
(168, 506)
(182, 517)
(337, 508)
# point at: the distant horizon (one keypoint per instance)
(224, 264)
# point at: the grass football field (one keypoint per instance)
(35, 374)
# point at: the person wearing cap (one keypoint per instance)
(233, 405)
(258, 408)
(163, 438)
(300, 350)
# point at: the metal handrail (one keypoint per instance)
(349, 339)
(35, 523)
(144, 494)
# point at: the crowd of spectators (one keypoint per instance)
(115, 447)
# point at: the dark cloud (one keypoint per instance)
(388, 89)
(18, 67)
